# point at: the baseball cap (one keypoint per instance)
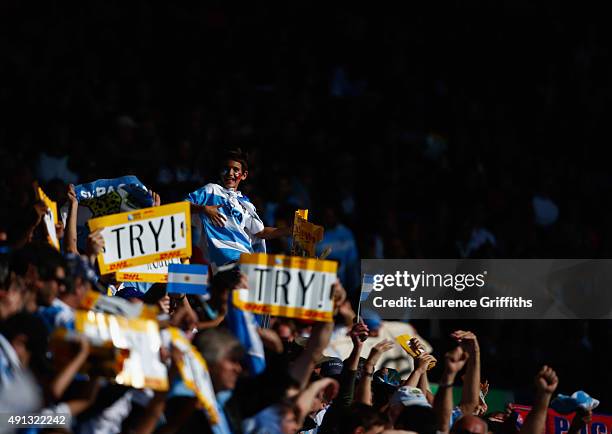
(388, 376)
(408, 396)
(332, 367)
(128, 292)
(78, 266)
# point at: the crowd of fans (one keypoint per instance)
(338, 376)
(441, 145)
(301, 388)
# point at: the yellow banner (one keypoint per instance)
(144, 236)
(195, 375)
(154, 272)
(305, 235)
(143, 367)
(289, 286)
(50, 218)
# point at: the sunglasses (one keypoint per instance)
(59, 280)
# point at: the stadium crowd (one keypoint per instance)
(287, 376)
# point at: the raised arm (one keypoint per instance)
(305, 398)
(470, 397)
(270, 233)
(62, 380)
(301, 369)
(420, 369)
(363, 393)
(443, 402)
(70, 238)
(546, 383)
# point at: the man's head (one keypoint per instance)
(44, 270)
(223, 353)
(417, 418)
(469, 424)
(80, 279)
(234, 169)
(407, 401)
(12, 289)
(28, 337)
(363, 419)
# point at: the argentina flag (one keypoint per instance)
(366, 287)
(188, 279)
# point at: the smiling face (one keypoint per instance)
(232, 174)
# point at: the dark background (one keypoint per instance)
(417, 127)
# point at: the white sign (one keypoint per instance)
(153, 272)
(289, 286)
(144, 236)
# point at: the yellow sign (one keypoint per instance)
(195, 375)
(144, 236)
(143, 368)
(289, 286)
(50, 218)
(411, 349)
(153, 272)
(305, 235)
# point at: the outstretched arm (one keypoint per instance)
(301, 369)
(70, 238)
(546, 383)
(443, 402)
(470, 397)
(363, 393)
(270, 233)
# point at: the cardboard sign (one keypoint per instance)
(404, 341)
(557, 423)
(305, 235)
(153, 272)
(143, 367)
(288, 286)
(101, 187)
(50, 218)
(195, 375)
(144, 236)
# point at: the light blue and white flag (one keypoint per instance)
(367, 284)
(188, 279)
(244, 326)
(366, 287)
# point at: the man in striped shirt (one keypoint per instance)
(229, 222)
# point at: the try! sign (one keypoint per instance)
(144, 236)
(290, 286)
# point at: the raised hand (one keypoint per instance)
(359, 333)
(338, 295)
(156, 198)
(377, 351)
(95, 242)
(546, 381)
(467, 340)
(72, 197)
(423, 361)
(455, 360)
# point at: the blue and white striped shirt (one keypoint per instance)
(222, 245)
